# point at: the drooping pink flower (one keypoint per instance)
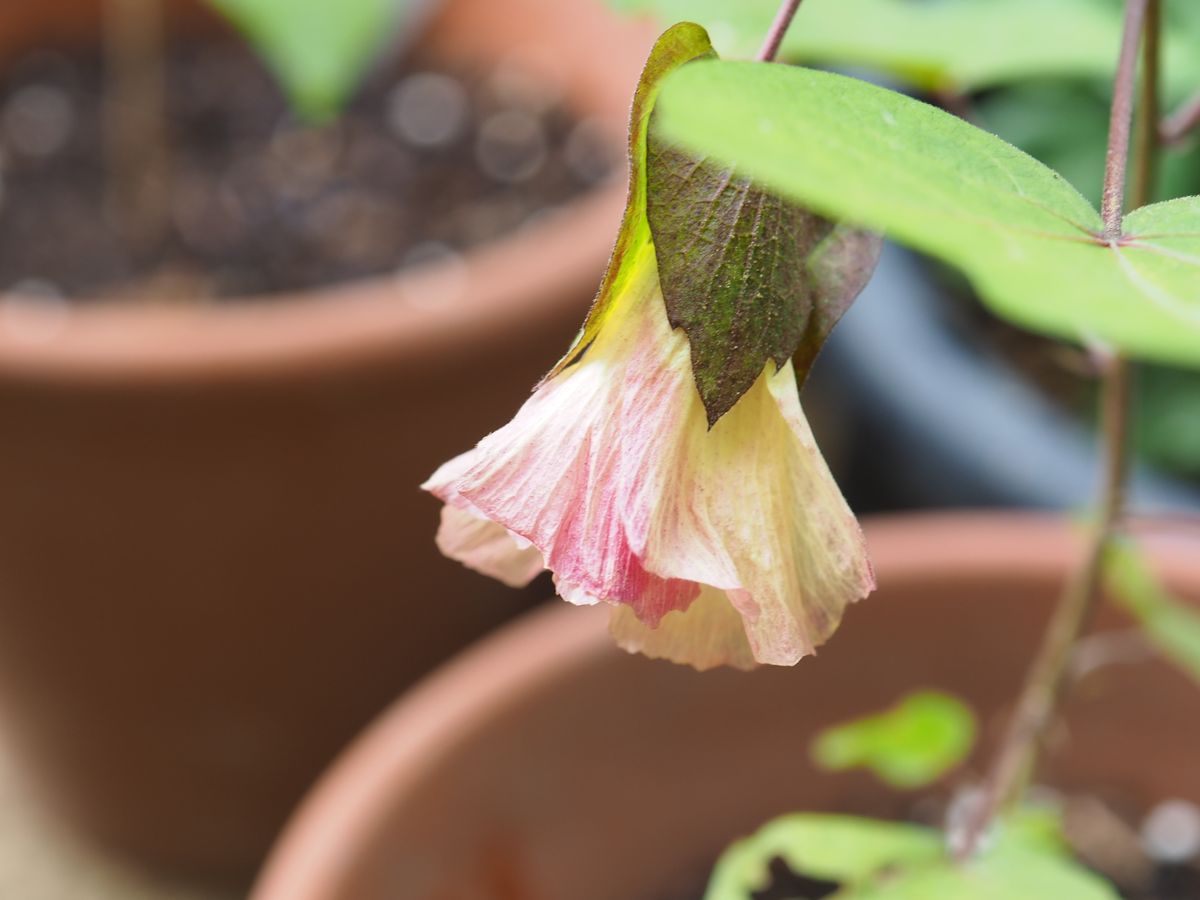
(722, 545)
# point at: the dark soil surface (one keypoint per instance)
(423, 164)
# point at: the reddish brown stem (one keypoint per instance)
(1044, 681)
(1181, 123)
(1112, 207)
(783, 18)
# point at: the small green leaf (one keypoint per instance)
(908, 746)
(957, 45)
(873, 860)
(1028, 241)
(318, 50)
(1169, 624)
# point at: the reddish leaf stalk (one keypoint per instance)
(1044, 682)
(1181, 123)
(783, 18)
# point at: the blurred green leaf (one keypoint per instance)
(1167, 424)
(908, 746)
(872, 860)
(1028, 241)
(1169, 624)
(841, 849)
(318, 49)
(958, 45)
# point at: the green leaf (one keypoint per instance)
(955, 45)
(1027, 240)
(318, 50)
(908, 746)
(1168, 623)
(873, 860)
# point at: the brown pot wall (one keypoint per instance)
(544, 763)
(215, 563)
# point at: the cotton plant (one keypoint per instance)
(664, 466)
(627, 472)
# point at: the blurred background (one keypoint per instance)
(265, 264)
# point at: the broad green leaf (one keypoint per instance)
(1169, 624)
(318, 50)
(1029, 242)
(957, 45)
(873, 860)
(908, 746)
(677, 45)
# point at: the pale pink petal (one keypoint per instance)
(707, 634)
(554, 473)
(487, 547)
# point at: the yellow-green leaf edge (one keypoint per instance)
(679, 44)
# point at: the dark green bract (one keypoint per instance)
(749, 276)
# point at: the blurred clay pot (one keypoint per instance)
(215, 562)
(545, 763)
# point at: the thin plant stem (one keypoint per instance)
(1145, 137)
(779, 27)
(1112, 206)
(1044, 682)
(1182, 122)
(135, 120)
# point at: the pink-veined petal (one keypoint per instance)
(554, 473)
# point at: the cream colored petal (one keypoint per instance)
(750, 507)
(487, 547)
(707, 634)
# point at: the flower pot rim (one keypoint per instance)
(519, 276)
(422, 314)
(409, 738)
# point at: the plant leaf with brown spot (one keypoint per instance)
(749, 276)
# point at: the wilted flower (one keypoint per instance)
(722, 545)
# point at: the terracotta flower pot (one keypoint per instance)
(544, 763)
(215, 563)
